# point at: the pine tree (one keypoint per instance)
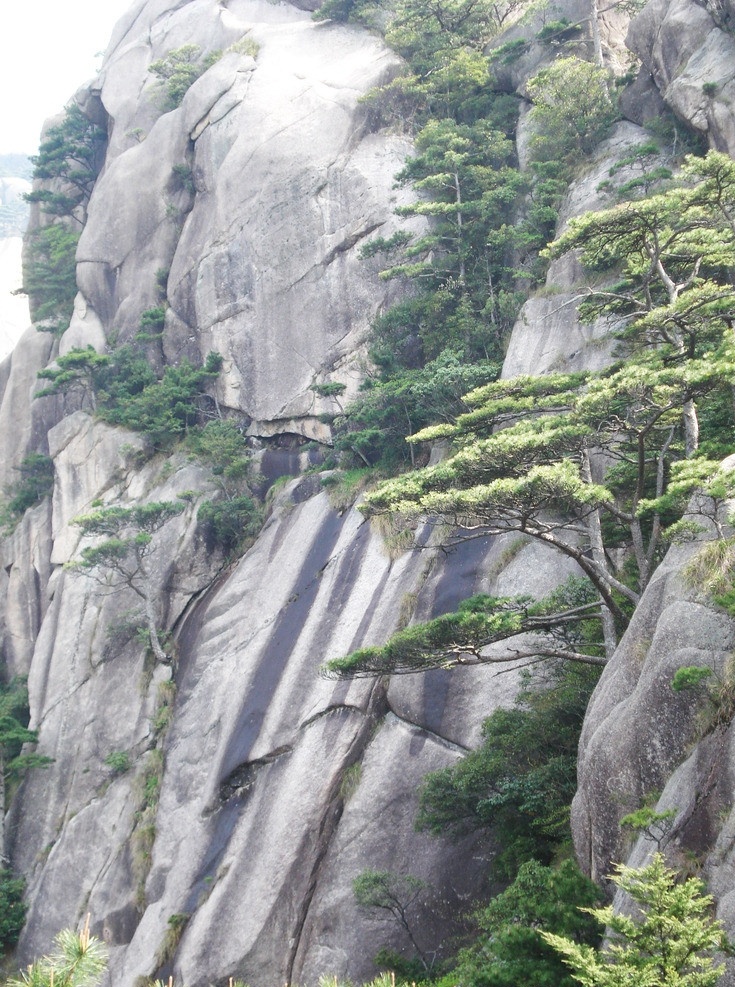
(124, 557)
(668, 940)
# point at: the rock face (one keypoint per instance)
(688, 49)
(212, 813)
(233, 795)
(252, 198)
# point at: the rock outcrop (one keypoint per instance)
(212, 812)
(253, 198)
(233, 795)
(687, 48)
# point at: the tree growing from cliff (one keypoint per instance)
(519, 783)
(178, 71)
(50, 276)
(234, 516)
(69, 158)
(572, 110)
(395, 894)
(524, 455)
(125, 557)
(14, 734)
(35, 482)
(123, 389)
(671, 940)
(508, 949)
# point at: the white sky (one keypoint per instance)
(48, 49)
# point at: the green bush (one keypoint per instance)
(521, 780)
(36, 482)
(12, 909)
(508, 949)
(152, 322)
(572, 111)
(130, 395)
(50, 276)
(70, 156)
(229, 523)
(668, 936)
(179, 69)
(118, 761)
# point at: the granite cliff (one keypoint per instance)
(256, 791)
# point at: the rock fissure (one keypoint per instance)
(444, 741)
(331, 816)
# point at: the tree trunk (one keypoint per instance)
(597, 547)
(691, 428)
(595, 31)
(150, 615)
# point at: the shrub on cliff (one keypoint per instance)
(572, 110)
(36, 481)
(520, 781)
(179, 69)
(50, 276)
(671, 940)
(69, 160)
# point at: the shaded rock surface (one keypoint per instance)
(688, 49)
(235, 787)
(252, 198)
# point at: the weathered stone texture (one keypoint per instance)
(686, 53)
(253, 197)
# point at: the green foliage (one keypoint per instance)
(14, 734)
(471, 266)
(152, 322)
(36, 482)
(50, 276)
(671, 251)
(123, 556)
(127, 392)
(235, 516)
(78, 960)
(653, 824)
(164, 409)
(12, 909)
(675, 249)
(572, 110)
(566, 623)
(333, 389)
(344, 486)
(179, 69)
(521, 780)
(508, 949)
(67, 164)
(230, 523)
(172, 937)
(375, 426)
(395, 894)
(118, 761)
(670, 941)
(148, 787)
(77, 371)
(422, 31)
(689, 677)
(221, 445)
(69, 158)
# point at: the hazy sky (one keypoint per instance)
(48, 49)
